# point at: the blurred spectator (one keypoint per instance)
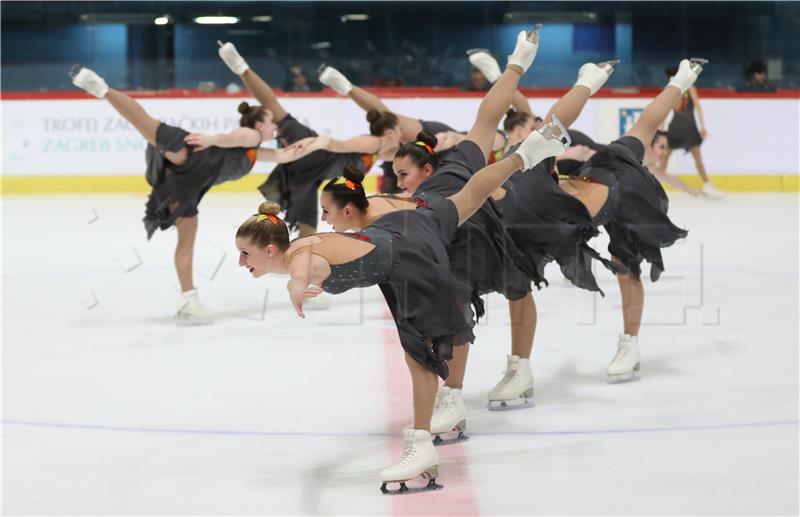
(297, 80)
(756, 79)
(477, 82)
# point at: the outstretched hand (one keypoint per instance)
(199, 140)
(299, 296)
(304, 146)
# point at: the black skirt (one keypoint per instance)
(640, 227)
(683, 132)
(178, 189)
(482, 254)
(295, 185)
(429, 304)
(550, 225)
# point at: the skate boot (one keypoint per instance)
(517, 383)
(525, 51)
(419, 460)
(625, 365)
(89, 81)
(481, 59)
(334, 80)
(191, 311)
(543, 143)
(687, 73)
(449, 416)
(595, 75)
(231, 57)
(711, 191)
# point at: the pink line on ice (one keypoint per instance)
(458, 495)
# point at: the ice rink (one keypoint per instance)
(110, 409)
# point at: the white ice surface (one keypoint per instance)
(109, 409)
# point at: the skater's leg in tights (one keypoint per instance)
(654, 114)
(424, 384)
(457, 366)
(134, 113)
(698, 162)
(263, 94)
(523, 325)
(184, 250)
(632, 291)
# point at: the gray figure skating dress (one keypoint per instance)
(682, 132)
(483, 254)
(410, 265)
(638, 226)
(294, 185)
(548, 224)
(178, 189)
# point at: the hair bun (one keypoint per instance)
(511, 112)
(374, 115)
(243, 108)
(269, 208)
(353, 174)
(427, 138)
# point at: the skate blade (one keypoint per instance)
(405, 489)
(503, 405)
(533, 34)
(439, 441)
(624, 377)
(74, 70)
(548, 132)
(193, 322)
(471, 51)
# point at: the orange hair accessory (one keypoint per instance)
(264, 217)
(423, 144)
(352, 185)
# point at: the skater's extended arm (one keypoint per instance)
(305, 267)
(364, 144)
(241, 137)
(291, 153)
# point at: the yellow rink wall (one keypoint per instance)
(137, 184)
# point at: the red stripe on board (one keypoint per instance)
(399, 93)
(458, 495)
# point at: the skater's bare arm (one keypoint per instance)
(291, 153)
(305, 268)
(241, 137)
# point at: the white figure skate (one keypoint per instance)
(419, 459)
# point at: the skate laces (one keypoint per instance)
(509, 375)
(409, 452)
(622, 352)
